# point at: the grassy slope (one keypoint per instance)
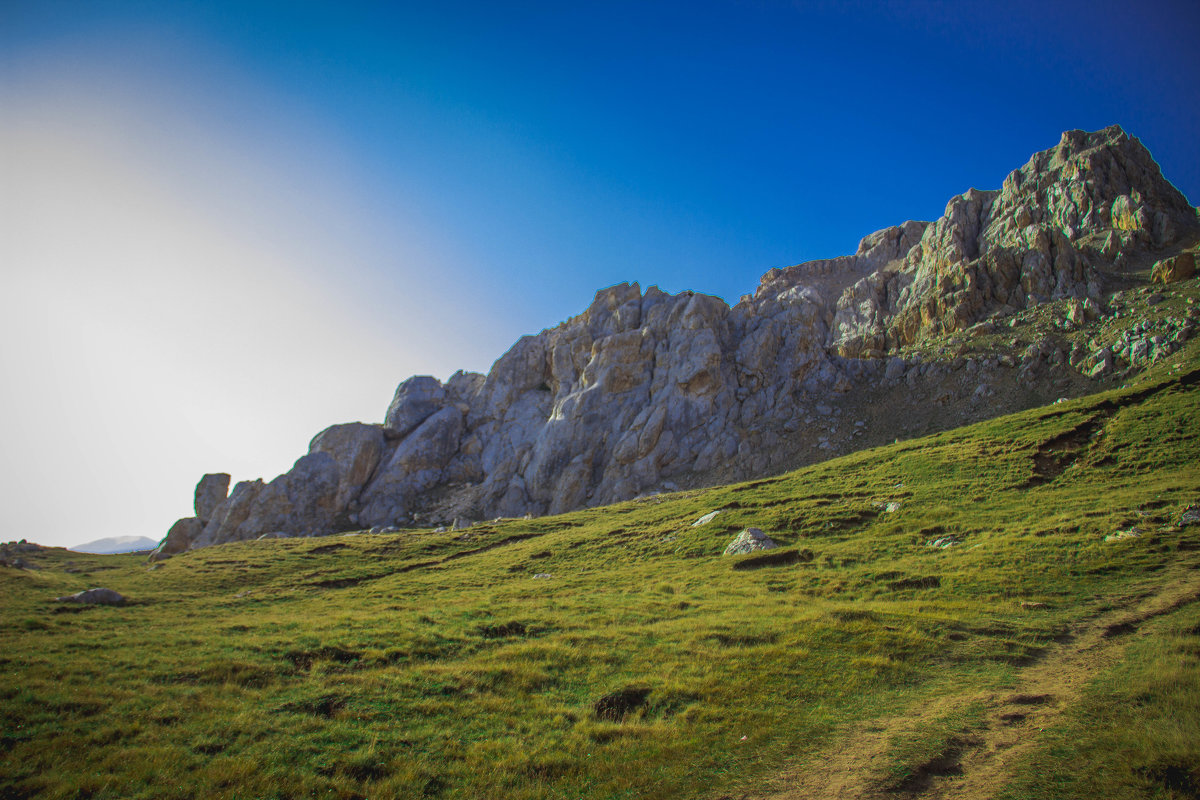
(421, 664)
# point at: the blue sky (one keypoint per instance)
(233, 224)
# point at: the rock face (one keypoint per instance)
(647, 391)
(1072, 211)
(179, 538)
(210, 493)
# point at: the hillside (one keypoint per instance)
(1013, 298)
(1005, 610)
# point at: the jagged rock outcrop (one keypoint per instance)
(1080, 207)
(210, 493)
(646, 391)
(178, 539)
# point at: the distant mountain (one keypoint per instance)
(116, 544)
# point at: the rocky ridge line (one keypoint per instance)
(647, 392)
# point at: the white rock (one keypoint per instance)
(748, 541)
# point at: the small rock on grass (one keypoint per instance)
(707, 518)
(1190, 516)
(1132, 533)
(97, 596)
(748, 541)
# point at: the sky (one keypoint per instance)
(227, 226)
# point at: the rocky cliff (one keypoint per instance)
(926, 326)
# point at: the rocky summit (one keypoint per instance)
(1013, 298)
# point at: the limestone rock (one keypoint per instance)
(415, 466)
(356, 450)
(228, 517)
(748, 541)
(1082, 311)
(211, 491)
(1173, 269)
(416, 400)
(181, 536)
(97, 596)
(647, 390)
(1033, 240)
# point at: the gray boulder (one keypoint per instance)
(98, 596)
(211, 491)
(1173, 269)
(416, 400)
(181, 536)
(229, 516)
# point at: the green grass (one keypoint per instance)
(422, 664)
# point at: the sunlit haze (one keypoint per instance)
(226, 227)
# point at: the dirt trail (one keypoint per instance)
(978, 762)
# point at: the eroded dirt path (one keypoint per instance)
(979, 760)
